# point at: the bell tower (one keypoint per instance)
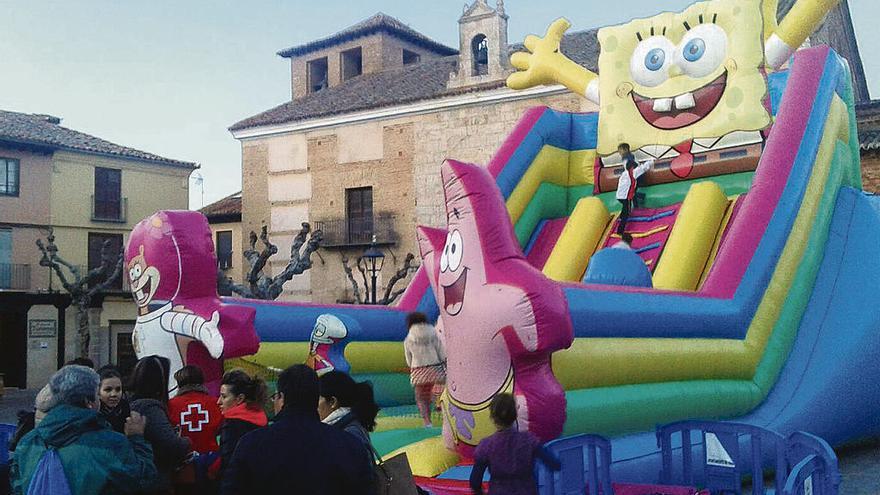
(483, 51)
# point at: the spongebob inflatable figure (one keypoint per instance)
(675, 85)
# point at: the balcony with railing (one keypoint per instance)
(346, 232)
(15, 276)
(113, 210)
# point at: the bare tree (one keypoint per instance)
(260, 286)
(390, 294)
(82, 288)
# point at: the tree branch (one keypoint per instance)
(300, 261)
(397, 277)
(361, 268)
(225, 284)
(350, 276)
(50, 260)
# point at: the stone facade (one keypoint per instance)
(480, 21)
(338, 162)
(379, 52)
(296, 177)
(57, 188)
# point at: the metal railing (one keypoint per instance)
(15, 276)
(109, 211)
(344, 232)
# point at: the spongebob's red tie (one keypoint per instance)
(682, 165)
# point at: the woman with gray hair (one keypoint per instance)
(103, 460)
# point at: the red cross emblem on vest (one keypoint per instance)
(194, 417)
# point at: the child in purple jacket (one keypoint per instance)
(509, 454)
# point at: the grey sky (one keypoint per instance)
(169, 77)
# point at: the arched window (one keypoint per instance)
(480, 54)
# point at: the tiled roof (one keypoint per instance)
(868, 120)
(46, 131)
(410, 83)
(224, 210)
(377, 23)
(869, 140)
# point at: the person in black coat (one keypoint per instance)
(149, 392)
(298, 453)
(241, 402)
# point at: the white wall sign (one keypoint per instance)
(42, 329)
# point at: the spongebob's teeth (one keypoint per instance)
(685, 101)
(663, 104)
(138, 294)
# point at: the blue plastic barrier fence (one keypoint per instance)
(813, 468)
(586, 462)
(727, 452)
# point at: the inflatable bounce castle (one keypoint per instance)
(760, 248)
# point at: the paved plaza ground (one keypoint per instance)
(859, 463)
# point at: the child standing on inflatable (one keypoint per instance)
(627, 184)
(426, 359)
(509, 454)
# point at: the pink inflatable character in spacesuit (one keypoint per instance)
(500, 318)
(172, 271)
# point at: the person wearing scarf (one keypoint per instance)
(114, 408)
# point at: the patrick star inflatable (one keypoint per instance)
(172, 270)
(474, 264)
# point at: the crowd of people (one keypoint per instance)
(90, 435)
(95, 432)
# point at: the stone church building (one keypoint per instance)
(374, 111)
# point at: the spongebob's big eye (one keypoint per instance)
(651, 60)
(135, 272)
(702, 50)
(456, 250)
(654, 59)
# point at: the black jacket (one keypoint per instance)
(231, 431)
(116, 416)
(299, 454)
(169, 448)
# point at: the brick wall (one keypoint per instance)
(391, 178)
(254, 198)
(871, 172)
(379, 51)
(400, 158)
(471, 134)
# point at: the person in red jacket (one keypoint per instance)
(194, 411)
(195, 414)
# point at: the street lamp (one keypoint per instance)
(372, 260)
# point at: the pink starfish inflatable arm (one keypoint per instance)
(500, 318)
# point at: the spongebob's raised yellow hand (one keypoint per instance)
(544, 63)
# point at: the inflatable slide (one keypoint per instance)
(761, 255)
